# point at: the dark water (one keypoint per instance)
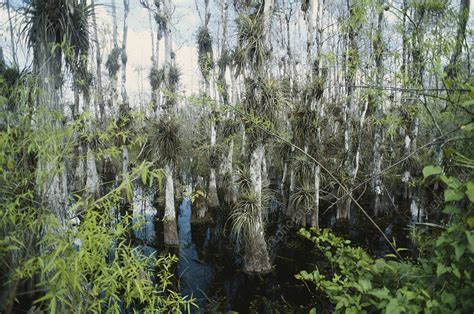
(209, 267)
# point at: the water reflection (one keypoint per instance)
(195, 275)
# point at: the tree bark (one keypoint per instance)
(256, 259)
(170, 227)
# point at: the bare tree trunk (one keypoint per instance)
(114, 80)
(213, 200)
(170, 227)
(99, 97)
(351, 55)
(464, 10)
(12, 36)
(256, 258)
(378, 47)
(126, 4)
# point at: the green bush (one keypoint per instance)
(439, 281)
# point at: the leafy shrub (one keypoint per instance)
(439, 281)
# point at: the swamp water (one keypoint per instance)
(209, 267)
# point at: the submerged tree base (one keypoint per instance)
(170, 233)
(256, 259)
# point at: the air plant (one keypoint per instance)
(251, 49)
(112, 64)
(246, 213)
(156, 77)
(205, 58)
(245, 216)
(167, 140)
(303, 197)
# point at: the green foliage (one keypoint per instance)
(156, 77)
(112, 64)
(66, 21)
(263, 99)
(85, 267)
(439, 281)
(167, 140)
(251, 48)
(205, 58)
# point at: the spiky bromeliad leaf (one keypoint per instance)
(205, 58)
(167, 140)
(243, 178)
(57, 23)
(302, 167)
(245, 216)
(303, 196)
(263, 99)
(174, 76)
(230, 127)
(251, 49)
(304, 124)
(156, 77)
(112, 64)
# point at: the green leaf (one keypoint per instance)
(393, 307)
(470, 222)
(441, 269)
(450, 209)
(468, 103)
(451, 182)
(459, 251)
(431, 170)
(452, 195)
(470, 191)
(380, 293)
(470, 239)
(365, 284)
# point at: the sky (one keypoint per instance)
(185, 24)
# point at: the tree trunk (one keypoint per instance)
(114, 79)
(12, 36)
(126, 4)
(170, 227)
(256, 259)
(98, 57)
(51, 171)
(213, 200)
(377, 157)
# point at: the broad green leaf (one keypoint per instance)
(470, 191)
(431, 170)
(450, 209)
(452, 195)
(380, 293)
(470, 222)
(442, 269)
(393, 307)
(470, 239)
(451, 182)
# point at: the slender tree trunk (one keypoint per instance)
(170, 227)
(98, 57)
(12, 36)
(126, 4)
(213, 200)
(351, 56)
(464, 10)
(256, 259)
(114, 79)
(378, 47)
